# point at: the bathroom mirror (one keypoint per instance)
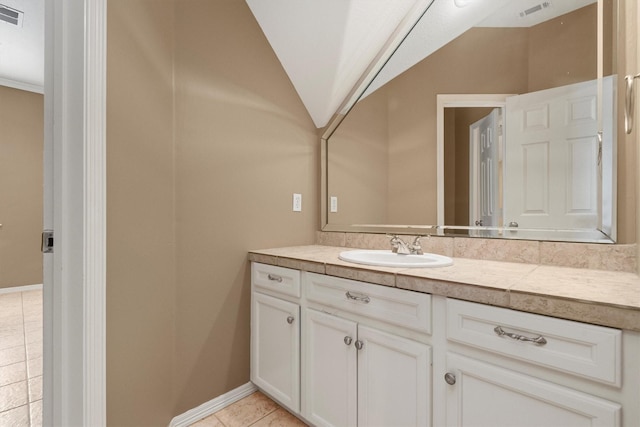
(494, 118)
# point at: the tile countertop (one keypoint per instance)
(594, 296)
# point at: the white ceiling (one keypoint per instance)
(22, 47)
(325, 46)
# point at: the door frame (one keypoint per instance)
(75, 208)
(452, 101)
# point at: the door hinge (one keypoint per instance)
(47, 242)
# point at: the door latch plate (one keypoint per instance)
(47, 242)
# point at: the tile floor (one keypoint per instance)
(21, 359)
(255, 410)
(21, 374)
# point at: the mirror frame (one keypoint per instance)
(445, 100)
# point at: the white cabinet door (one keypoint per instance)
(491, 396)
(275, 348)
(393, 380)
(330, 394)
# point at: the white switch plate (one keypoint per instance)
(334, 204)
(297, 202)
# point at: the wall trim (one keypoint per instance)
(212, 406)
(95, 221)
(74, 362)
(24, 288)
(14, 84)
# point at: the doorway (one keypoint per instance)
(446, 106)
(21, 266)
(74, 372)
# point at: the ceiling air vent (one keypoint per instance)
(534, 9)
(12, 16)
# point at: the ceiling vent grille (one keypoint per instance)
(11, 16)
(534, 9)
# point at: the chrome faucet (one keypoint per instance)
(399, 246)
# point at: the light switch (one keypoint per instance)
(334, 204)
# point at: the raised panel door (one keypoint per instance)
(275, 348)
(330, 370)
(486, 395)
(394, 380)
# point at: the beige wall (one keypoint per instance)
(244, 145)
(21, 145)
(140, 213)
(551, 64)
(629, 63)
(207, 142)
(358, 157)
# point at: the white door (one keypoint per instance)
(275, 348)
(551, 158)
(485, 171)
(330, 370)
(486, 395)
(394, 380)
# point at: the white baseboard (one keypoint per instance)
(24, 288)
(212, 406)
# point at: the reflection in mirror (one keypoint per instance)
(525, 162)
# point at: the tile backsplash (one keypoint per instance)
(577, 255)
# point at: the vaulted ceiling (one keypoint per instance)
(326, 46)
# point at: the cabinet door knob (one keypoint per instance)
(359, 344)
(348, 340)
(290, 319)
(450, 378)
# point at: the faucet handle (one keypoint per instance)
(416, 248)
(395, 242)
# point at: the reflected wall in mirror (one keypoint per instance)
(386, 171)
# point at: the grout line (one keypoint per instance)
(265, 416)
(27, 405)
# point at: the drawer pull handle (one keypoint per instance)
(537, 340)
(274, 278)
(290, 319)
(348, 340)
(359, 297)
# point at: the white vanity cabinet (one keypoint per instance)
(340, 352)
(275, 333)
(356, 374)
(482, 392)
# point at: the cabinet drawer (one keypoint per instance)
(281, 280)
(396, 306)
(590, 351)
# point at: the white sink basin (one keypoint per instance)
(382, 258)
